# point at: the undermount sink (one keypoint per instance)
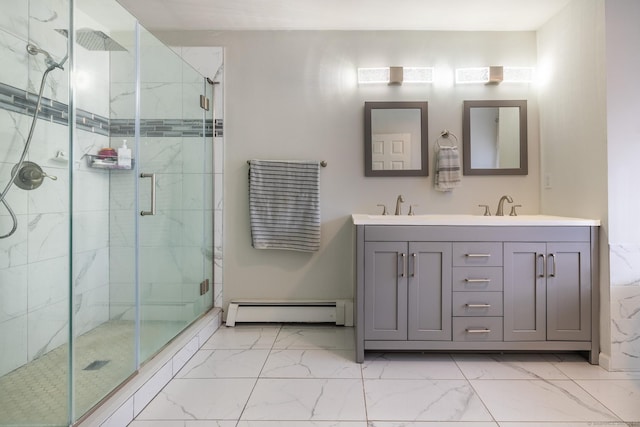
(461, 219)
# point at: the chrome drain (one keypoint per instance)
(95, 365)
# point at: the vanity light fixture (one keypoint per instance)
(494, 75)
(395, 75)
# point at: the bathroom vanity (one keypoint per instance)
(475, 283)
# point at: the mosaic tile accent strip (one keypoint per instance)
(162, 128)
(23, 102)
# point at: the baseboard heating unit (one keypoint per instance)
(339, 312)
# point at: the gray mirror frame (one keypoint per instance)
(466, 138)
(424, 138)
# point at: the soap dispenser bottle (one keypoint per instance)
(124, 156)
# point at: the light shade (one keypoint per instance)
(472, 75)
(519, 74)
(494, 75)
(395, 75)
(373, 75)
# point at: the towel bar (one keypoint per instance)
(323, 163)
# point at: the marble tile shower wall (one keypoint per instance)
(34, 262)
(625, 300)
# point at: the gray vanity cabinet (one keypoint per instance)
(547, 291)
(429, 298)
(408, 291)
(476, 288)
(385, 295)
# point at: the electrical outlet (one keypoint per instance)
(547, 181)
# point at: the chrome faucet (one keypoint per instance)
(500, 210)
(399, 202)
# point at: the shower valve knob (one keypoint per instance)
(30, 176)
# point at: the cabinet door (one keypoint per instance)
(385, 291)
(429, 291)
(524, 292)
(568, 291)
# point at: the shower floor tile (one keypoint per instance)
(36, 393)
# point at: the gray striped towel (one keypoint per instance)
(284, 204)
(447, 176)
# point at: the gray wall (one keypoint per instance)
(294, 95)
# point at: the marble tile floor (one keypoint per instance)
(256, 375)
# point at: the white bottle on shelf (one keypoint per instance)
(124, 156)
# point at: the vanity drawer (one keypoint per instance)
(477, 253)
(477, 303)
(477, 279)
(477, 328)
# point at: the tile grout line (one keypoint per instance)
(493, 418)
(244, 407)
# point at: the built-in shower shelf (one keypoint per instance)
(105, 162)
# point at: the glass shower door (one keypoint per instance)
(103, 221)
(172, 287)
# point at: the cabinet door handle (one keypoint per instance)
(477, 255)
(404, 272)
(414, 256)
(478, 331)
(153, 193)
(478, 305)
(477, 280)
(552, 257)
(540, 265)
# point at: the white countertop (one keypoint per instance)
(520, 220)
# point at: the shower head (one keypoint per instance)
(48, 60)
(94, 40)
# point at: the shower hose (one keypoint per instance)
(16, 169)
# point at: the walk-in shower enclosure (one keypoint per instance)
(89, 288)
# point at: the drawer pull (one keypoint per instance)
(477, 255)
(478, 331)
(478, 305)
(404, 265)
(477, 280)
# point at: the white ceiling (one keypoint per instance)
(435, 15)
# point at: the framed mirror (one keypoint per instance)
(395, 139)
(495, 138)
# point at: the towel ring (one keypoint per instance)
(445, 134)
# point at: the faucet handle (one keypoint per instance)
(411, 211)
(487, 212)
(513, 210)
(384, 209)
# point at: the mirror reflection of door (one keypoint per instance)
(404, 124)
(391, 151)
(395, 138)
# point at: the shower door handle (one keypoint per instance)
(153, 193)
